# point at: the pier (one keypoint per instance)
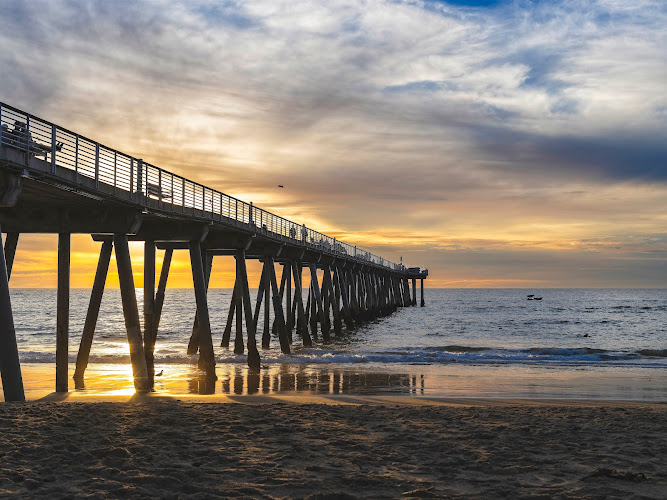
(53, 180)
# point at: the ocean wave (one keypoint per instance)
(432, 355)
(657, 353)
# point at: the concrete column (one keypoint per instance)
(230, 317)
(301, 319)
(268, 272)
(206, 355)
(10, 367)
(149, 308)
(62, 313)
(414, 292)
(239, 347)
(161, 289)
(278, 307)
(422, 293)
(93, 312)
(131, 313)
(11, 241)
(254, 360)
(317, 298)
(287, 266)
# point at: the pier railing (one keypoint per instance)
(60, 147)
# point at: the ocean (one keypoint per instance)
(574, 343)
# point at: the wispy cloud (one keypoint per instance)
(425, 117)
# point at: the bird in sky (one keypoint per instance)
(280, 185)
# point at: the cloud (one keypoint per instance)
(448, 117)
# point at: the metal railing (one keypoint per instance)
(60, 147)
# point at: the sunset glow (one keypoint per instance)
(417, 130)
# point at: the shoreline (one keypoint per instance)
(453, 381)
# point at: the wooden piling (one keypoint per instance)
(93, 312)
(11, 241)
(62, 313)
(131, 313)
(10, 367)
(206, 354)
(422, 293)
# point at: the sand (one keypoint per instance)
(263, 447)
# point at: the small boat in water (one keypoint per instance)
(537, 298)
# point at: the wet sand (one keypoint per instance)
(351, 447)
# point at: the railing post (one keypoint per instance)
(0, 125)
(27, 140)
(140, 176)
(115, 168)
(97, 164)
(53, 149)
(76, 157)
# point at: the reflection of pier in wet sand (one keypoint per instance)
(284, 379)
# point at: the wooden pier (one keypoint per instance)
(54, 181)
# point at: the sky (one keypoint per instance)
(497, 143)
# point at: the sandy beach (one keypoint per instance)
(348, 447)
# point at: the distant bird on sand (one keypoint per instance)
(159, 374)
(280, 186)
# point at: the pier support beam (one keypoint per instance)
(92, 314)
(267, 274)
(287, 268)
(339, 277)
(131, 313)
(11, 241)
(239, 348)
(149, 309)
(193, 344)
(230, 317)
(422, 290)
(302, 318)
(414, 292)
(278, 307)
(62, 313)
(161, 288)
(206, 355)
(10, 367)
(317, 302)
(254, 360)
